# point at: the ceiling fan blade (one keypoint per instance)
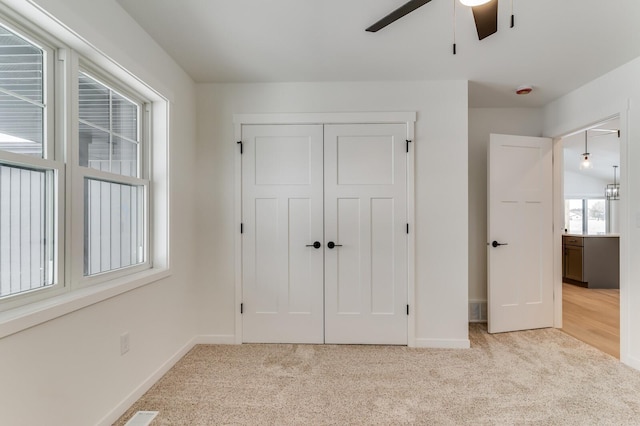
(397, 14)
(486, 17)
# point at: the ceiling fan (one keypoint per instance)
(485, 14)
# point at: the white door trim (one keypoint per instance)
(558, 228)
(407, 118)
(627, 218)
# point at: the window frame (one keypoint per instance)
(52, 159)
(79, 173)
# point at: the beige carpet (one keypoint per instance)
(542, 377)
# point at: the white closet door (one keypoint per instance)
(366, 217)
(282, 214)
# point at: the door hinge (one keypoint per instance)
(618, 133)
(407, 309)
(240, 143)
(242, 308)
(408, 142)
(407, 228)
(242, 228)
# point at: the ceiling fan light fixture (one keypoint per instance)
(473, 3)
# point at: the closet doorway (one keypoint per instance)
(324, 243)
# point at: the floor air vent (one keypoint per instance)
(142, 418)
(477, 311)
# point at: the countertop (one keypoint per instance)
(593, 236)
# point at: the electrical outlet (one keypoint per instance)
(124, 343)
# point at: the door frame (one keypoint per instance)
(621, 111)
(407, 118)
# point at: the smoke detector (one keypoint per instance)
(524, 90)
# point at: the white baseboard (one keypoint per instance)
(215, 339)
(137, 393)
(443, 343)
(630, 361)
(229, 339)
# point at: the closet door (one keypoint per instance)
(366, 218)
(282, 209)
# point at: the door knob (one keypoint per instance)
(315, 245)
(331, 244)
(496, 244)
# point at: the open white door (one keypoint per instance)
(520, 233)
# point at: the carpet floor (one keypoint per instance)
(540, 377)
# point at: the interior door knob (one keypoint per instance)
(315, 245)
(331, 244)
(497, 244)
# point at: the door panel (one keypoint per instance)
(349, 257)
(266, 258)
(282, 213)
(382, 256)
(365, 214)
(282, 160)
(520, 277)
(300, 261)
(365, 160)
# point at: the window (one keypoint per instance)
(586, 216)
(28, 172)
(26, 229)
(22, 96)
(76, 191)
(109, 129)
(109, 141)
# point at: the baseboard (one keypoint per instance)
(229, 339)
(137, 393)
(630, 361)
(443, 343)
(215, 339)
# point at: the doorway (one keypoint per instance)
(591, 245)
(324, 233)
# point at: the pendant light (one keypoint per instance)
(612, 191)
(586, 161)
(472, 3)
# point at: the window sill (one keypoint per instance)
(33, 314)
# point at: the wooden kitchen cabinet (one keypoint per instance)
(573, 257)
(591, 261)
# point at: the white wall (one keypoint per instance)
(441, 190)
(483, 122)
(617, 92)
(577, 185)
(69, 371)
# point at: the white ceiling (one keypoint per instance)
(604, 147)
(556, 45)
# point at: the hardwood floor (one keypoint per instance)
(593, 316)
